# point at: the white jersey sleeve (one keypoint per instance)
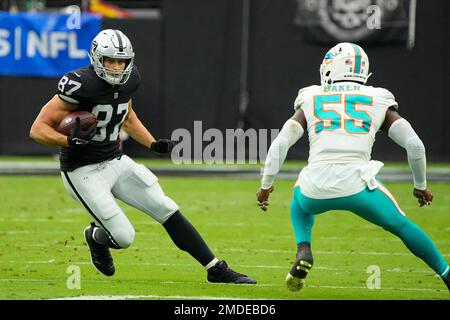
(302, 96)
(385, 98)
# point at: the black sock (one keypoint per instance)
(102, 237)
(185, 237)
(447, 280)
(304, 251)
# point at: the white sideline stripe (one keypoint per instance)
(153, 296)
(134, 281)
(18, 232)
(364, 253)
(38, 262)
(370, 253)
(367, 253)
(341, 239)
(145, 233)
(49, 280)
(280, 284)
(334, 239)
(184, 265)
(37, 220)
(382, 288)
(44, 220)
(216, 284)
(31, 245)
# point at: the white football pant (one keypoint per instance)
(97, 185)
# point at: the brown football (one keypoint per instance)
(87, 119)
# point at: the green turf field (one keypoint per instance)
(164, 162)
(41, 236)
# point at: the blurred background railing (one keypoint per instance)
(39, 5)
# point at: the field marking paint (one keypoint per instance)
(367, 253)
(38, 220)
(342, 253)
(215, 284)
(184, 265)
(364, 253)
(18, 232)
(383, 288)
(280, 284)
(154, 296)
(145, 233)
(38, 262)
(50, 280)
(236, 250)
(341, 239)
(125, 297)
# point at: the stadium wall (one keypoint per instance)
(282, 62)
(190, 64)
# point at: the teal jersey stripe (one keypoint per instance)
(357, 59)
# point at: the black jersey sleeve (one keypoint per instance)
(79, 86)
(70, 88)
(135, 79)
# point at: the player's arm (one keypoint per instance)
(401, 131)
(292, 130)
(135, 129)
(48, 118)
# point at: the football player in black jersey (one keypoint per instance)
(94, 170)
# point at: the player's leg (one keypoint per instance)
(302, 223)
(379, 207)
(112, 230)
(187, 238)
(140, 189)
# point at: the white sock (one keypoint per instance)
(212, 263)
(93, 234)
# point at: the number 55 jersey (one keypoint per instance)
(88, 92)
(342, 121)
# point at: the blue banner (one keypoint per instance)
(45, 44)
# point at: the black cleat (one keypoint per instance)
(220, 273)
(100, 255)
(295, 279)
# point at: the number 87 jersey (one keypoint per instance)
(343, 119)
(88, 92)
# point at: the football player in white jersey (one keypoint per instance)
(342, 117)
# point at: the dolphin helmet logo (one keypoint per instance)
(331, 55)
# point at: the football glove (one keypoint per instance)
(162, 146)
(79, 137)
